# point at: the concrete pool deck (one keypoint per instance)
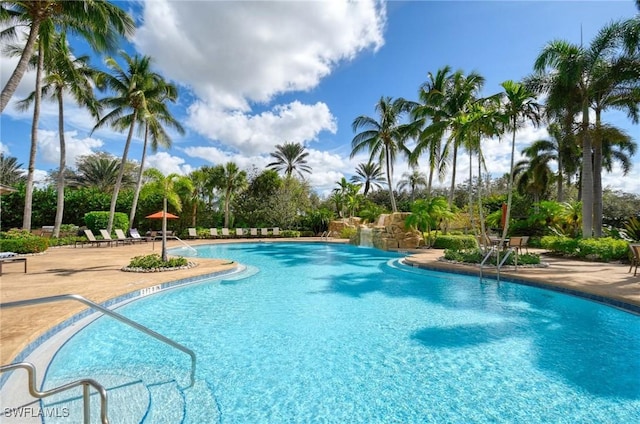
(95, 273)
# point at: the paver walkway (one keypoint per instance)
(94, 272)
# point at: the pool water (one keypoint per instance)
(337, 333)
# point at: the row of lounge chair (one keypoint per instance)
(107, 240)
(240, 232)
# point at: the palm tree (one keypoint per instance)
(413, 181)
(131, 90)
(167, 186)
(156, 114)
(570, 75)
(348, 196)
(427, 213)
(100, 170)
(431, 106)
(10, 172)
(370, 175)
(533, 176)
(100, 22)
(231, 180)
(520, 107)
(290, 157)
(199, 180)
(384, 138)
(64, 74)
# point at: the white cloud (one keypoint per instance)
(4, 149)
(168, 164)
(259, 134)
(233, 53)
(49, 147)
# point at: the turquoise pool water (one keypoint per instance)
(337, 333)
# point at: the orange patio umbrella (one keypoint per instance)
(159, 214)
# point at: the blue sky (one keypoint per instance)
(256, 74)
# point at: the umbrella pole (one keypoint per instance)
(164, 230)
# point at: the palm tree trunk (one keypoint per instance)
(136, 195)
(505, 230)
(28, 197)
(597, 179)
(61, 169)
(14, 80)
(394, 208)
(430, 182)
(471, 189)
(116, 188)
(560, 196)
(587, 175)
(227, 200)
(453, 175)
(480, 214)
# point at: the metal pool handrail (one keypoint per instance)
(33, 391)
(112, 314)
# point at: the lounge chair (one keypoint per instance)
(635, 259)
(105, 235)
(193, 233)
(91, 239)
(11, 257)
(253, 232)
(128, 240)
(276, 232)
(525, 244)
(136, 235)
(264, 232)
(225, 233)
(213, 232)
(239, 232)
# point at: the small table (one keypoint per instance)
(11, 260)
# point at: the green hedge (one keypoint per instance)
(154, 260)
(602, 249)
(19, 241)
(98, 220)
(475, 256)
(289, 233)
(455, 242)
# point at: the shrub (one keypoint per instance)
(475, 256)
(98, 220)
(307, 234)
(603, 249)
(455, 242)
(290, 233)
(19, 241)
(348, 232)
(155, 261)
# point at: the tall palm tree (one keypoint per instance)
(413, 181)
(65, 74)
(199, 179)
(520, 107)
(570, 75)
(10, 172)
(131, 89)
(231, 180)
(431, 107)
(383, 138)
(167, 186)
(369, 175)
(153, 120)
(100, 22)
(290, 157)
(533, 176)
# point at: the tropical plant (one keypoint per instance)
(427, 214)
(413, 181)
(10, 172)
(100, 170)
(168, 186)
(521, 107)
(383, 138)
(231, 180)
(155, 117)
(368, 175)
(64, 74)
(131, 90)
(100, 22)
(290, 157)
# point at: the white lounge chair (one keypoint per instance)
(105, 235)
(136, 235)
(124, 239)
(213, 232)
(239, 232)
(253, 232)
(276, 232)
(225, 233)
(91, 239)
(264, 232)
(193, 233)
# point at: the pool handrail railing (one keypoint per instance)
(86, 382)
(112, 314)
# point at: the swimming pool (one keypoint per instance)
(337, 333)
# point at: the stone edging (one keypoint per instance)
(159, 269)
